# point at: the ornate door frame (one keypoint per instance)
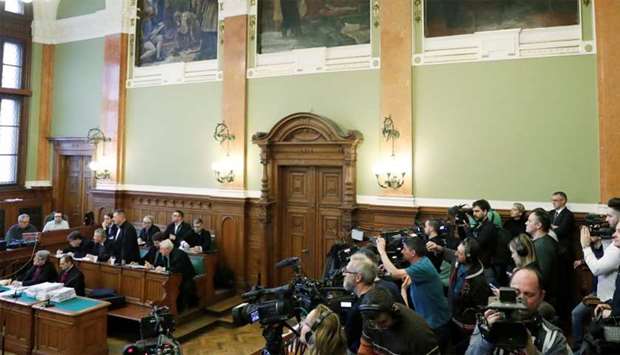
(302, 139)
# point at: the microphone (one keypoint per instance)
(287, 262)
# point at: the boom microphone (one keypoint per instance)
(287, 262)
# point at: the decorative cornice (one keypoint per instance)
(181, 190)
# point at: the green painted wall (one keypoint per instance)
(507, 130)
(78, 69)
(33, 119)
(71, 8)
(169, 130)
(349, 98)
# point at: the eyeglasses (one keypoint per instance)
(345, 271)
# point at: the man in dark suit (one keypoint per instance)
(178, 230)
(42, 270)
(70, 276)
(153, 257)
(200, 239)
(148, 231)
(101, 247)
(563, 226)
(177, 261)
(125, 243)
(77, 245)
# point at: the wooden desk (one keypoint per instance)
(140, 287)
(18, 317)
(77, 326)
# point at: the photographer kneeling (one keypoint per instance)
(542, 336)
(392, 328)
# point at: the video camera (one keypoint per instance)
(598, 226)
(274, 307)
(511, 331)
(461, 214)
(156, 335)
(393, 246)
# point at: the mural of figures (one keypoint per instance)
(176, 31)
(284, 25)
(455, 17)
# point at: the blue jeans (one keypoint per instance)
(581, 313)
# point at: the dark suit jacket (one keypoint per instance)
(180, 263)
(147, 235)
(153, 257)
(203, 239)
(565, 223)
(185, 230)
(75, 279)
(486, 235)
(101, 251)
(126, 244)
(80, 251)
(47, 274)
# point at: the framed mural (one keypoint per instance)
(170, 31)
(284, 25)
(457, 17)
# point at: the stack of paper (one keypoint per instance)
(40, 291)
(62, 294)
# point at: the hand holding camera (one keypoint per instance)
(584, 237)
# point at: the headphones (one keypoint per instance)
(309, 337)
(520, 248)
(472, 249)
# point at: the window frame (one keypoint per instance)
(17, 28)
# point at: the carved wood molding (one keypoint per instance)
(72, 146)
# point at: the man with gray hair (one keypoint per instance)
(177, 261)
(359, 278)
(42, 270)
(23, 226)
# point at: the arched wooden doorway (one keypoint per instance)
(308, 190)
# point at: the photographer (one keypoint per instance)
(321, 332)
(426, 289)
(383, 281)
(392, 328)
(486, 234)
(547, 338)
(603, 262)
(359, 278)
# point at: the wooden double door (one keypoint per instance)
(76, 181)
(310, 200)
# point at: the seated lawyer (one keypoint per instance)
(200, 240)
(177, 261)
(78, 247)
(178, 230)
(42, 270)
(100, 246)
(71, 276)
(148, 231)
(153, 257)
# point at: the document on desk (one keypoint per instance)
(134, 266)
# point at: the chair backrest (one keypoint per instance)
(198, 263)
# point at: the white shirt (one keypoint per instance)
(606, 268)
(53, 226)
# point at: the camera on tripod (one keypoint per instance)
(598, 226)
(510, 332)
(155, 335)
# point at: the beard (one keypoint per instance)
(348, 284)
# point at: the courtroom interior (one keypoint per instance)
(324, 177)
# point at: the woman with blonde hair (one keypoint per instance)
(322, 333)
(522, 251)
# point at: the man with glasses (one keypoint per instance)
(392, 328)
(56, 224)
(359, 278)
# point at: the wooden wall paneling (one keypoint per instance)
(31, 198)
(132, 285)
(607, 17)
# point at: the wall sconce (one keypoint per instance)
(224, 169)
(390, 173)
(100, 167)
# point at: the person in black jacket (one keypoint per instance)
(546, 249)
(177, 261)
(42, 270)
(178, 230)
(70, 276)
(108, 226)
(153, 257)
(516, 224)
(200, 239)
(147, 231)
(125, 244)
(468, 291)
(77, 245)
(101, 247)
(485, 233)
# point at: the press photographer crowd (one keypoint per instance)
(465, 284)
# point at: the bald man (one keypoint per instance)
(177, 261)
(529, 286)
